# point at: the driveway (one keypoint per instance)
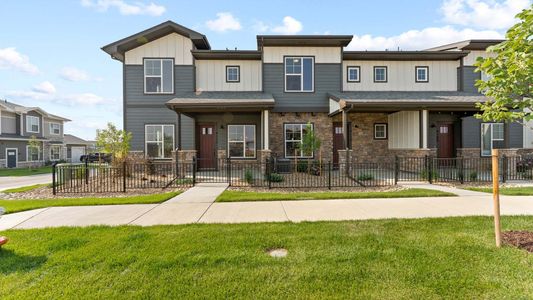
(10, 182)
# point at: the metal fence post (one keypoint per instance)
(194, 170)
(268, 166)
(124, 176)
(86, 171)
(396, 171)
(329, 175)
(461, 170)
(54, 178)
(228, 172)
(505, 168)
(427, 167)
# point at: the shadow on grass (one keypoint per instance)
(11, 262)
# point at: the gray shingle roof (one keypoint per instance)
(423, 97)
(72, 139)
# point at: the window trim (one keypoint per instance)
(39, 158)
(358, 73)
(238, 73)
(161, 76)
(50, 152)
(244, 141)
(28, 125)
(301, 141)
(50, 128)
(386, 131)
(163, 141)
(416, 74)
(386, 74)
(492, 140)
(301, 74)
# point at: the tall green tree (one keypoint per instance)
(114, 141)
(510, 74)
(34, 145)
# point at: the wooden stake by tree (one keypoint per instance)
(496, 197)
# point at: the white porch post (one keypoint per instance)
(424, 125)
(266, 138)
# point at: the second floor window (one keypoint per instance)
(353, 74)
(233, 74)
(380, 74)
(55, 128)
(32, 124)
(422, 74)
(159, 76)
(299, 74)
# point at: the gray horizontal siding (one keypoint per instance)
(516, 135)
(20, 145)
(467, 79)
(327, 79)
(472, 134)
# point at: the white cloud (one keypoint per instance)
(85, 99)
(124, 8)
(486, 14)
(12, 60)
(225, 21)
(75, 74)
(419, 39)
(45, 87)
(290, 26)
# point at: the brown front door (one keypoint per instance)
(445, 141)
(206, 145)
(338, 141)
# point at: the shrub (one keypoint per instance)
(424, 175)
(248, 176)
(302, 166)
(184, 181)
(365, 177)
(473, 176)
(275, 177)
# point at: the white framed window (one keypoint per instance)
(55, 152)
(299, 74)
(233, 73)
(33, 124)
(380, 131)
(353, 74)
(33, 153)
(55, 128)
(491, 135)
(159, 140)
(159, 75)
(380, 74)
(241, 141)
(422, 74)
(294, 134)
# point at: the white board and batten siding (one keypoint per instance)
(471, 58)
(404, 130)
(211, 75)
(401, 76)
(322, 55)
(170, 46)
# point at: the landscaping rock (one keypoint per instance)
(278, 252)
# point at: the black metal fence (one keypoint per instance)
(272, 173)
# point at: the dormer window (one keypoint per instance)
(32, 124)
(380, 74)
(159, 76)
(233, 73)
(299, 74)
(422, 74)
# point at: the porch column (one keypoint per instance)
(424, 123)
(266, 137)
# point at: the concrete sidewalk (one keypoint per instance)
(177, 212)
(10, 182)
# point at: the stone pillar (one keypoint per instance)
(186, 155)
(262, 157)
(345, 158)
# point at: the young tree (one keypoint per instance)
(510, 74)
(310, 143)
(34, 144)
(114, 141)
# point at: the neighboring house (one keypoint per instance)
(250, 104)
(18, 124)
(76, 147)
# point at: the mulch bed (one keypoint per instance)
(519, 239)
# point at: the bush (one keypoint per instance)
(184, 181)
(275, 177)
(473, 176)
(424, 175)
(302, 166)
(365, 177)
(249, 176)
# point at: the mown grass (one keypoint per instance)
(12, 206)
(236, 196)
(507, 191)
(25, 188)
(25, 171)
(447, 258)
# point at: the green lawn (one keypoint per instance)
(452, 258)
(25, 188)
(508, 191)
(235, 196)
(12, 206)
(25, 171)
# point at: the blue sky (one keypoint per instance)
(50, 50)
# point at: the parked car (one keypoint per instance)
(96, 157)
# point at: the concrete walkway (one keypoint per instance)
(9, 182)
(196, 206)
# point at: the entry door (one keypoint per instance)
(206, 146)
(445, 141)
(11, 158)
(338, 141)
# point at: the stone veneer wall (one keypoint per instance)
(323, 127)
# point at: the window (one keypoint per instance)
(353, 74)
(422, 74)
(32, 153)
(380, 74)
(159, 76)
(380, 131)
(294, 134)
(32, 124)
(159, 141)
(492, 134)
(55, 128)
(299, 74)
(241, 141)
(55, 152)
(233, 73)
